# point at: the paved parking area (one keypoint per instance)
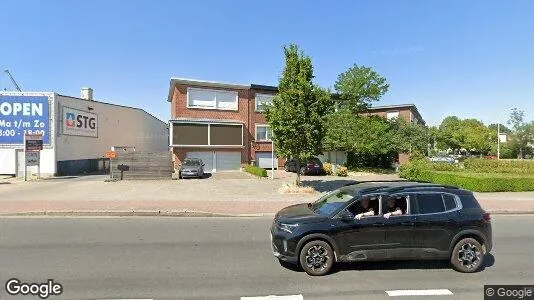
(222, 186)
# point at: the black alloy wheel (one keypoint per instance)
(467, 256)
(316, 258)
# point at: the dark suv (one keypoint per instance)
(384, 221)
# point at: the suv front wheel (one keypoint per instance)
(316, 258)
(467, 256)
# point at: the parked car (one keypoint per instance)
(192, 167)
(312, 166)
(434, 222)
(445, 159)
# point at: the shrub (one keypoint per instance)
(327, 168)
(255, 170)
(480, 165)
(366, 160)
(480, 182)
(342, 171)
(412, 170)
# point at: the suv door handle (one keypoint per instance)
(378, 224)
(407, 223)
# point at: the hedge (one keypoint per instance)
(480, 182)
(471, 177)
(480, 165)
(255, 170)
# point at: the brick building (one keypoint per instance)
(223, 123)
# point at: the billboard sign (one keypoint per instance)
(21, 115)
(79, 122)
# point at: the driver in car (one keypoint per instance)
(366, 209)
(392, 208)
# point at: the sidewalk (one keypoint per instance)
(196, 207)
(234, 195)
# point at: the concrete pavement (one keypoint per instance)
(224, 258)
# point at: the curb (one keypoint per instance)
(186, 214)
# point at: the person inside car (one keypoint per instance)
(392, 208)
(366, 210)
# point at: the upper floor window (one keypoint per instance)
(211, 99)
(263, 133)
(263, 100)
(390, 115)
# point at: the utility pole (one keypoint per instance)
(13, 80)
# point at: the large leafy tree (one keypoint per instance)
(359, 86)
(449, 133)
(523, 133)
(297, 114)
(373, 134)
(475, 136)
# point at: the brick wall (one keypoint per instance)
(246, 113)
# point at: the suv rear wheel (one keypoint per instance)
(467, 256)
(316, 258)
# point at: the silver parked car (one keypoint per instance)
(192, 167)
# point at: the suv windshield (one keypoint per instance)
(192, 162)
(330, 202)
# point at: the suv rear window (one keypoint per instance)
(430, 203)
(469, 201)
(449, 201)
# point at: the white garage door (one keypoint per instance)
(227, 161)
(207, 158)
(265, 160)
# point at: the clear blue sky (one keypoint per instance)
(467, 58)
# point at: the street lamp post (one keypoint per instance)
(272, 156)
(498, 141)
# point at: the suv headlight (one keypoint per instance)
(288, 227)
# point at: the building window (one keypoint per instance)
(263, 133)
(211, 99)
(262, 100)
(390, 115)
(191, 134)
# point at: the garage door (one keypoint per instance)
(227, 161)
(264, 160)
(207, 158)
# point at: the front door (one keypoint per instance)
(362, 239)
(399, 229)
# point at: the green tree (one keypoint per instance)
(449, 133)
(523, 133)
(359, 86)
(298, 111)
(359, 134)
(475, 136)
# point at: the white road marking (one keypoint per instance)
(400, 293)
(273, 297)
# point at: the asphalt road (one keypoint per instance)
(224, 258)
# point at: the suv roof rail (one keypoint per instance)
(371, 181)
(421, 186)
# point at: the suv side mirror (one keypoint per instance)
(345, 215)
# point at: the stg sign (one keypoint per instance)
(78, 122)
